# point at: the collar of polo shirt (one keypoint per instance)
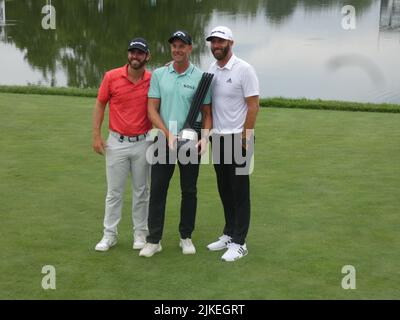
(171, 69)
(229, 65)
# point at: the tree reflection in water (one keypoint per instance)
(91, 36)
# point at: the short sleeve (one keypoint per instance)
(154, 91)
(250, 83)
(104, 93)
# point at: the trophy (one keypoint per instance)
(188, 133)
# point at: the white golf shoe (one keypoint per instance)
(106, 243)
(187, 246)
(139, 241)
(220, 244)
(235, 251)
(150, 249)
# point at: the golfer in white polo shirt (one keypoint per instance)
(235, 104)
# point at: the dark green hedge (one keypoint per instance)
(328, 105)
(77, 92)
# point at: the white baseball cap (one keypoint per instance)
(220, 32)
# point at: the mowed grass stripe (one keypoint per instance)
(325, 193)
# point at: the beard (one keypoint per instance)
(136, 64)
(220, 55)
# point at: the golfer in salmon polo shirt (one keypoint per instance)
(125, 89)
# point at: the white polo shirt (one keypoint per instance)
(233, 83)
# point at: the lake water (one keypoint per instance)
(299, 48)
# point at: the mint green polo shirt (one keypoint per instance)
(176, 93)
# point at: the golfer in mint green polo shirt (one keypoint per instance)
(175, 92)
(172, 89)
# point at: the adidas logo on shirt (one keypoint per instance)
(229, 80)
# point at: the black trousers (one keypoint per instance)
(233, 185)
(161, 175)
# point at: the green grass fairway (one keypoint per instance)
(325, 194)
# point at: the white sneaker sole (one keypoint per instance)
(101, 249)
(152, 254)
(245, 254)
(217, 248)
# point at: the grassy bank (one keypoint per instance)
(268, 103)
(325, 194)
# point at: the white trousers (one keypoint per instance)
(124, 159)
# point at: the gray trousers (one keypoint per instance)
(124, 159)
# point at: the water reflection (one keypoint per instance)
(2, 12)
(390, 15)
(100, 6)
(2, 20)
(360, 61)
(389, 39)
(91, 37)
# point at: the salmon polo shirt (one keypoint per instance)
(127, 101)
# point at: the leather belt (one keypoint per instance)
(123, 138)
